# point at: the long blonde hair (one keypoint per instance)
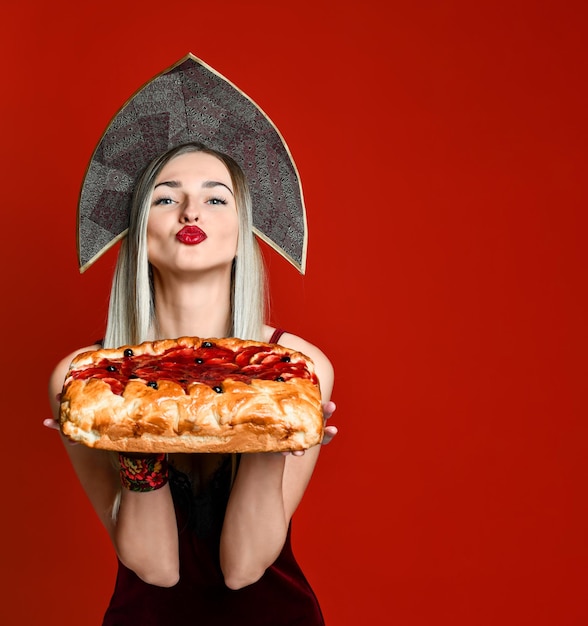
(131, 313)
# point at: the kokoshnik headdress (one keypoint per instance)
(191, 102)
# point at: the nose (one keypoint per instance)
(189, 214)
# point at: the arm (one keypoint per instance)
(265, 495)
(141, 517)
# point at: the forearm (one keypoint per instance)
(145, 533)
(256, 523)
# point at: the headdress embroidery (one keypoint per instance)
(191, 102)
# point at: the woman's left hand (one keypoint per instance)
(330, 431)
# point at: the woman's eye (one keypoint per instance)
(163, 201)
(216, 201)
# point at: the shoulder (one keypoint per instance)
(324, 367)
(59, 372)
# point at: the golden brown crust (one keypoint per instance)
(256, 416)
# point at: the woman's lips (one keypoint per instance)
(191, 235)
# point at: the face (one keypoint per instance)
(193, 223)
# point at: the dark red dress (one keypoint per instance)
(282, 597)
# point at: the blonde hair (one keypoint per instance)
(131, 312)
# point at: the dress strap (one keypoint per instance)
(277, 334)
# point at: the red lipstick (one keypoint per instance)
(191, 235)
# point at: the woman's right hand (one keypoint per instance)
(53, 424)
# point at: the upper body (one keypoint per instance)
(195, 237)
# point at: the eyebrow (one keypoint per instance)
(207, 184)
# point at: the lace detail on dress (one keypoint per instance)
(201, 512)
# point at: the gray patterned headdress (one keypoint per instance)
(191, 102)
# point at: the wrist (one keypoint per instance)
(264, 465)
(147, 472)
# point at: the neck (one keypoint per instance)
(198, 308)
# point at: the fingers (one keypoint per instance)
(330, 432)
(293, 453)
(328, 409)
(54, 425)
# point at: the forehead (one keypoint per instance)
(197, 165)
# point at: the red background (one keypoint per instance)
(442, 149)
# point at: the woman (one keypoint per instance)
(211, 545)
